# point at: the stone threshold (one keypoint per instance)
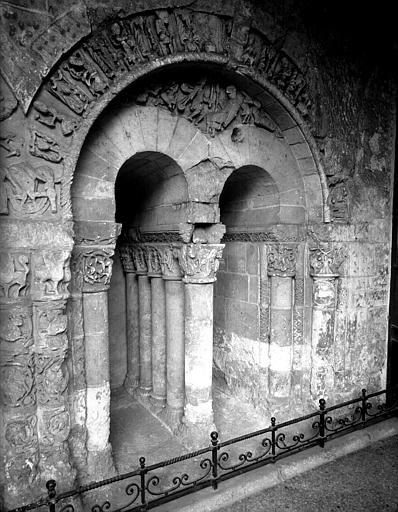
(253, 482)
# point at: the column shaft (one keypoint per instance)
(175, 347)
(198, 352)
(144, 305)
(158, 339)
(133, 333)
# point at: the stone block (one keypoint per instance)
(252, 259)
(236, 257)
(219, 312)
(97, 209)
(281, 327)
(242, 319)
(254, 289)
(234, 286)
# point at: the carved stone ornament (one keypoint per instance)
(44, 147)
(50, 322)
(22, 469)
(200, 262)
(212, 107)
(17, 378)
(153, 258)
(27, 190)
(14, 270)
(123, 44)
(92, 268)
(170, 262)
(51, 377)
(126, 257)
(54, 426)
(21, 434)
(325, 262)
(16, 332)
(281, 261)
(324, 292)
(10, 144)
(139, 258)
(49, 117)
(51, 274)
(8, 103)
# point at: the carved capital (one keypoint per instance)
(170, 262)
(92, 268)
(139, 258)
(153, 259)
(325, 262)
(200, 262)
(126, 257)
(282, 261)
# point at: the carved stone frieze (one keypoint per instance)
(49, 117)
(14, 270)
(50, 324)
(212, 107)
(16, 332)
(54, 426)
(45, 147)
(51, 377)
(200, 262)
(92, 268)
(281, 261)
(17, 378)
(324, 292)
(27, 190)
(21, 433)
(8, 103)
(160, 237)
(22, 469)
(153, 259)
(51, 274)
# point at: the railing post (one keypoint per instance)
(51, 491)
(214, 458)
(322, 405)
(363, 405)
(142, 478)
(273, 441)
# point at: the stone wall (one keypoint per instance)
(285, 79)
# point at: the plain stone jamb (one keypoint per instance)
(133, 338)
(144, 307)
(158, 297)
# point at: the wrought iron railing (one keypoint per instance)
(149, 486)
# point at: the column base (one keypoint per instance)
(195, 436)
(171, 417)
(157, 403)
(100, 464)
(131, 384)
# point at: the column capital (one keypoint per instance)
(92, 268)
(153, 260)
(200, 262)
(325, 263)
(281, 261)
(126, 257)
(139, 259)
(170, 262)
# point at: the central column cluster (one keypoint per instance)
(169, 290)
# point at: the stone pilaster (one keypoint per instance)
(199, 263)
(19, 444)
(324, 272)
(281, 268)
(158, 307)
(94, 270)
(132, 380)
(174, 291)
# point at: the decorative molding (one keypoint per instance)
(48, 116)
(281, 261)
(200, 262)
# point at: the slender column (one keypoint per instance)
(323, 270)
(174, 288)
(281, 269)
(131, 382)
(199, 263)
(145, 327)
(158, 299)
(96, 269)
